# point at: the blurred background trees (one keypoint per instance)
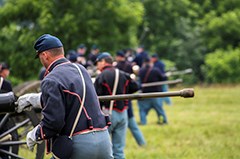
(202, 35)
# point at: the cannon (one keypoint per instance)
(18, 124)
(14, 126)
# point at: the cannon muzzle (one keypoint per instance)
(7, 102)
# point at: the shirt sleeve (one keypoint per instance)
(132, 85)
(161, 75)
(98, 85)
(53, 110)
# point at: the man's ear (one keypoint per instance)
(46, 54)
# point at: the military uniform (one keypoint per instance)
(92, 56)
(149, 74)
(124, 66)
(63, 93)
(5, 86)
(161, 66)
(141, 56)
(104, 86)
(61, 98)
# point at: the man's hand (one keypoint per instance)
(31, 139)
(27, 101)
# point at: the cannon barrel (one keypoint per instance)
(181, 72)
(186, 93)
(161, 83)
(7, 102)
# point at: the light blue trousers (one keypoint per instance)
(118, 131)
(166, 100)
(94, 145)
(136, 132)
(146, 104)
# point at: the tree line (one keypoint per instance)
(200, 34)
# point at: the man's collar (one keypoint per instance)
(54, 64)
(107, 66)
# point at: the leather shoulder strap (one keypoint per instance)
(114, 89)
(83, 100)
(147, 74)
(1, 82)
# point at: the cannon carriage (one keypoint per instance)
(14, 126)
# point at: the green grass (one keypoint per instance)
(204, 127)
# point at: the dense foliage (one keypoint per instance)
(182, 31)
(74, 22)
(186, 31)
(223, 66)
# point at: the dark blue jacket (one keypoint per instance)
(140, 57)
(92, 58)
(124, 66)
(6, 86)
(160, 65)
(150, 74)
(62, 92)
(104, 86)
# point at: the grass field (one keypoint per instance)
(204, 127)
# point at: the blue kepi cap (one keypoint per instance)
(120, 53)
(46, 42)
(102, 56)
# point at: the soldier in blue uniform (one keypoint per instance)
(5, 85)
(161, 66)
(60, 99)
(149, 74)
(104, 86)
(141, 56)
(81, 50)
(92, 56)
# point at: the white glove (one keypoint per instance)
(27, 101)
(31, 139)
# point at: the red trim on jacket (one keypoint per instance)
(110, 93)
(80, 101)
(108, 88)
(41, 132)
